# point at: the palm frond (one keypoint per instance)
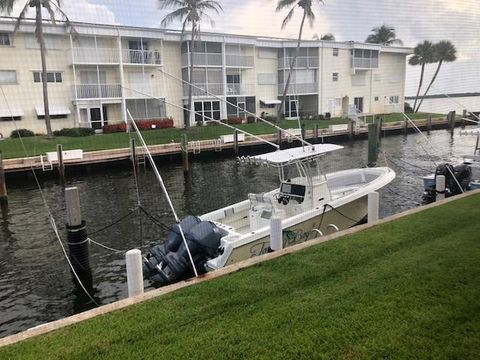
(169, 4)
(176, 15)
(51, 12)
(288, 17)
(21, 16)
(282, 4)
(7, 6)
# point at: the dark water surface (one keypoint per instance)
(35, 281)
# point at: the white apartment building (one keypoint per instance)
(98, 73)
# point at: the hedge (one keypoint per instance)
(141, 124)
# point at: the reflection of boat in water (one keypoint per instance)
(308, 201)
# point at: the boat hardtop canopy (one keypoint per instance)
(288, 156)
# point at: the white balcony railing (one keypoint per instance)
(144, 57)
(98, 91)
(300, 62)
(142, 91)
(203, 59)
(204, 89)
(239, 60)
(95, 56)
(364, 63)
(294, 88)
(240, 89)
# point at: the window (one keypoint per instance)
(335, 76)
(393, 100)
(266, 79)
(335, 51)
(5, 39)
(233, 79)
(52, 77)
(8, 77)
(209, 109)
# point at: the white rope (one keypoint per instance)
(237, 107)
(207, 117)
(456, 102)
(162, 185)
(105, 246)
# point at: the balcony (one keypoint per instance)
(95, 56)
(142, 91)
(300, 62)
(98, 91)
(204, 90)
(364, 63)
(203, 59)
(239, 60)
(240, 89)
(141, 57)
(296, 89)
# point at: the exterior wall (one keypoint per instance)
(265, 65)
(173, 88)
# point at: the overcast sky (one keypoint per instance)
(414, 21)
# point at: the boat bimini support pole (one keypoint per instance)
(162, 185)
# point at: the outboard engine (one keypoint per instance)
(454, 176)
(169, 262)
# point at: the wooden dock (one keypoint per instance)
(19, 165)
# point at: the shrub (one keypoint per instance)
(328, 116)
(407, 108)
(271, 118)
(21, 133)
(234, 120)
(321, 117)
(74, 132)
(141, 124)
(250, 119)
(114, 128)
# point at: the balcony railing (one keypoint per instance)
(293, 88)
(300, 62)
(95, 56)
(204, 89)
(364, 63)
(240, 89)
(239, 60)
(142, 91)
(98, 91)
(144, 57)
(203, 59)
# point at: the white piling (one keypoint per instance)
(276, 238)
(373, 205)
(133, 259)
(440, 187)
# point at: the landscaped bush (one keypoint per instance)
(234, 120)
(250, 119)
(328, 116)
(21, 133)
(321, 117)
(270, 118)
(141, 124)
(74, 132)
(407, 108)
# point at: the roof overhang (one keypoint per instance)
(5, 113)
(271, 102)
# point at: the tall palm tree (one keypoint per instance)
(384, 35)
(326, 37)
(444, 51)
(423, 54)
(51, 7)
(189, 12)
(306, 6)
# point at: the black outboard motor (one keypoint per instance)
(169, 262)
(454, 176)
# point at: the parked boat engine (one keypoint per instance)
(169, 262)
(457, 180)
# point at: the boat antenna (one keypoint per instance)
(235, 106)
(162, 185)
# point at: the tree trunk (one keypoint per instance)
(430, 85)
(419, 86)
(41, 41)
(292, 64)
(190, 79)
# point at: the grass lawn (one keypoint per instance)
(12, 148)
(408, 289)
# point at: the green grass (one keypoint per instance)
(12, 148)
(408, 289)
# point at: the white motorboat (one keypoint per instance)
(308, 201)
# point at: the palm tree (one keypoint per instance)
(189, 12)
(384, 35)
(51, 7)
(444, 51)
(306, 6)
(423, 54)
(327, 37)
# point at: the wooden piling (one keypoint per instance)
(451, 121)
(184, 146)
(3, 187)
(235, 142)
(380, 125)
(464, 116)
(405, 127)
(302, 131)
(279, 139)
(315, 132)
(133, 153)
(61, 165)
(372, 144)
(351, 129)
(429, 123)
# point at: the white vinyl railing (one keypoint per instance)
(204, 89)
(239, 60)
(147, 57)
(203, 59)
(364, 63)
(142, 91)
(98, 91)
(240, 89)
(294, 88)
(95, 55)
(300, 62)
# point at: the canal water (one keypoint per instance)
(35, 281)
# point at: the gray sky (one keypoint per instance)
(414, 21)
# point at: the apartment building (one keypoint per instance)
(99, 73)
